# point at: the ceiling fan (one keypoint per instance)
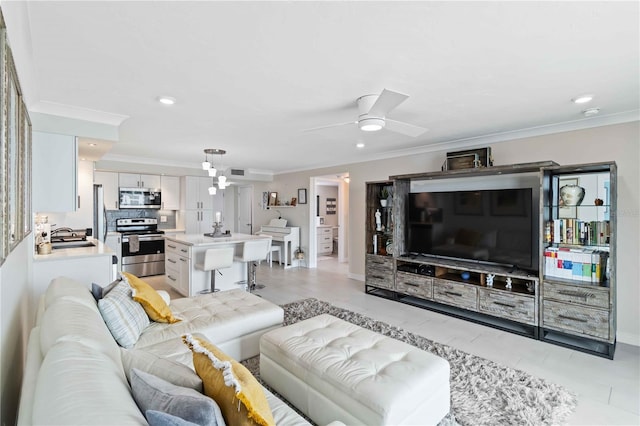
(373, 110)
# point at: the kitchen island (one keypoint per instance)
(183, 252)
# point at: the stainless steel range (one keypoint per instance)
(142, 246)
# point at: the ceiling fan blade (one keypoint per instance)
(330, 126)
(387, 101)
(404, 128)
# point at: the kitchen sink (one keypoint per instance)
(71, 244)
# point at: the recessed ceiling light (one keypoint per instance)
(582, 99)
(360, 145)
(166, 100)
(590, 112)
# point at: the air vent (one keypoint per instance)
(237, 172)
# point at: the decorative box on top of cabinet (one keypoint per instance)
(578, 303)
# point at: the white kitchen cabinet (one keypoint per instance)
(195, 193)
(134, 180)
(177, 264)
(114, 242)
(55, 172)
(198, 221)
(170, 188)
(109, 182)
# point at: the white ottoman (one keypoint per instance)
(331, 369)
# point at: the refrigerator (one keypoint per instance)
(99, 214)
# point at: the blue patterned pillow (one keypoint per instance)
(124, 317)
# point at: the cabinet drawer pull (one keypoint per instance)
(183, 260)
(504, 304)
(170, 246)
(171, 278)
(453, 293)
(378, 277)
(413, 284)
(171, 260)
(572, 318)
(183, 250)
(574, 293)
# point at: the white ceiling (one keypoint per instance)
(249, 77)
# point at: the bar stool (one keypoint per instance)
(253, 251)
(215, 259)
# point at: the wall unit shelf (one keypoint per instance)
(566, 298)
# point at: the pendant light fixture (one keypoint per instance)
(211, 169)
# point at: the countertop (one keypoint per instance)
(199, 240)
(99, 249)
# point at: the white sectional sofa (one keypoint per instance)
(76, 373)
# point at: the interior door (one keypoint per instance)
(245, 222)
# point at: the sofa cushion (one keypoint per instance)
(153, 393)
(220, 317)
(66, 287)
(166, 369)
(230, 383)
(158, 418)
(79, 385)
(124, 317)
(153, 304)
(68, 318)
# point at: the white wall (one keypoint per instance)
(326, 191)
(619, 143)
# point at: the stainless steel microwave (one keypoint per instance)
(140, 198)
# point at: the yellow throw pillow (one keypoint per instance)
(239, 395)
(153, 304)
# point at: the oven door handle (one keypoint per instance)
(145, 238)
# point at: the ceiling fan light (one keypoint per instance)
(206, 165)
(371, 124)
(212, 190)
(213, 171)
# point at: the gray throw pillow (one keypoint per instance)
(153, 393)
(100, 292)
(158, 418)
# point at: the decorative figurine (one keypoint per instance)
(508, 283)
(490, 278)
(378, 220)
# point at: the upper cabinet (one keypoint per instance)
(170, 187)
(133, 180)
(55, 182)
(109, 182)
(195, 193)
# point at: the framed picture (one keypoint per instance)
(302, 196)
(273, 199)
(468, 203)
(294, 201)
(508, 202)
(566, 212)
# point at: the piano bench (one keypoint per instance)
(274, 248)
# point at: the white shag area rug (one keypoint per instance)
(482, 391)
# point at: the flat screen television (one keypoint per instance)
(495, 226)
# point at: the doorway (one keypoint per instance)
(328, 224)
(244, 218)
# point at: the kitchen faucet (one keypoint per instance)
(62, 229)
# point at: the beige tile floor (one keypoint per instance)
(608, 391)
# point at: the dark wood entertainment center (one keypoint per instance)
(568, 298)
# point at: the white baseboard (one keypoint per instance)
(628, 338)
(358, 277)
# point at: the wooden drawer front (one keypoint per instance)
(179, 249)
(324, 238)
(455, 294)
(324, 231)
(587, 295)
(578, 319)
(414, 285)
(380, 279)
(324, 248)
(507, 305)
(385, 262)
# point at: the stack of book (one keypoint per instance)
(574, 231)
(576, 264)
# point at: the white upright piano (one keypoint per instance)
(288, 236)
